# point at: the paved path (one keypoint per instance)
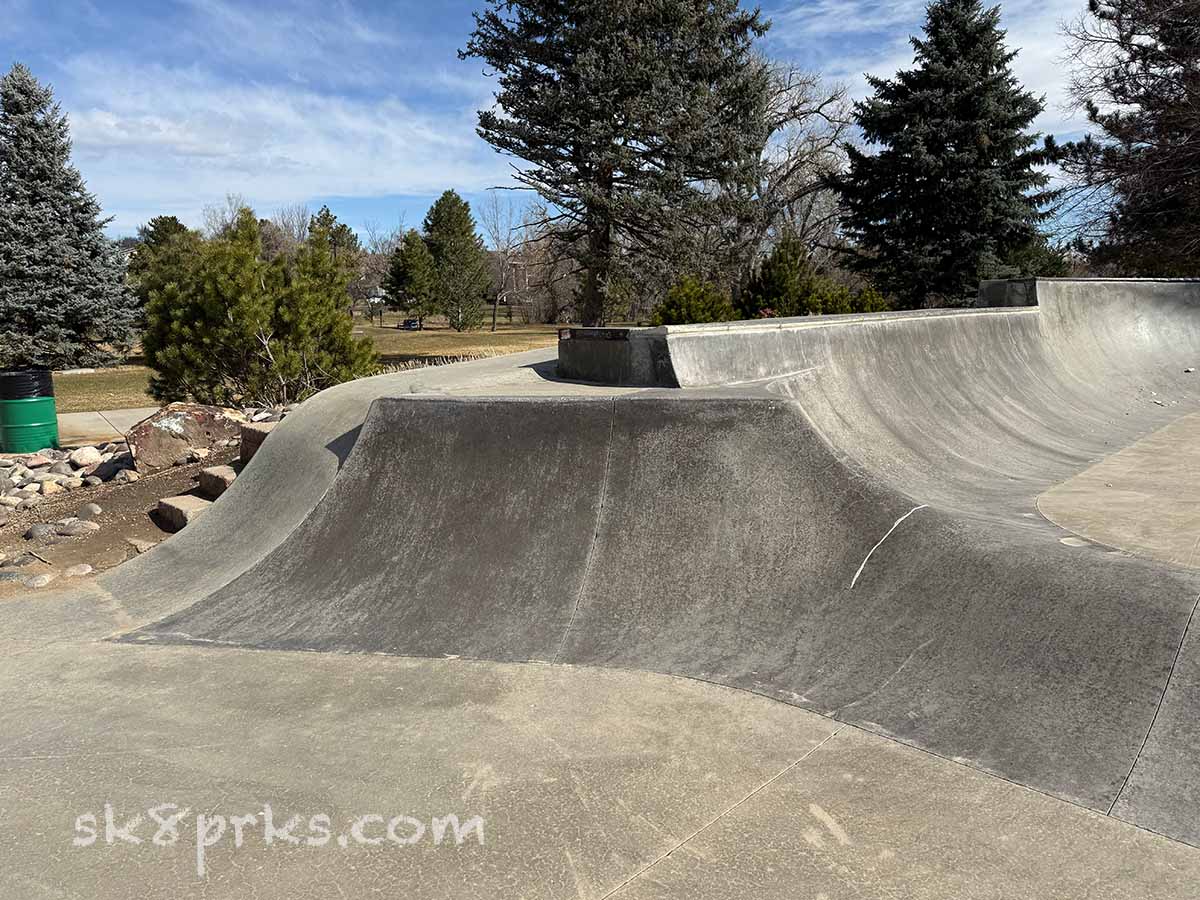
(93, 427)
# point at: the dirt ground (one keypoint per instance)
(128, 513)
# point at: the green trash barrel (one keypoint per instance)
(28, 419)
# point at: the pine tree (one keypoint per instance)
(409, 283)
(63, 299)
(460, 265)
(230, 327)
(622, 108)
(788, 284)
(339, 237)
(952, 188)
(1136, 178)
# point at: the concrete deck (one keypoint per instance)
(800, 634)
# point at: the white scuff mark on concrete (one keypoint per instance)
(895, 525)
(830, 823)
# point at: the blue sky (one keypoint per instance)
(362, 104)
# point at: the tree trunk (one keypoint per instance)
(591, 312)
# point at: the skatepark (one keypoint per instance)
(891, 605)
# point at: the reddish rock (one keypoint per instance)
(177, 429)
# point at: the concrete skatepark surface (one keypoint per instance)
(796, 629)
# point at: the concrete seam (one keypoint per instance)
(591, 553)
(707, 825)
(1161, 700)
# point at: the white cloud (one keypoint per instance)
(847, 39)
(182, 138)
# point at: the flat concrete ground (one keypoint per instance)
(590, 783)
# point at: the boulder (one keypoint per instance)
(177, 429)
(86, 456)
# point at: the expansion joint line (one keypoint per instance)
(717, 818)
(591, 553)
(1157, 709)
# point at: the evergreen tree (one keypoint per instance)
(165, 249)
(339, 238)
(952, 188)
(63, 298)
(230, 327)
(460, 264)
(1137, 177)
(788, 284)
(622, 109)
(691, 301)
(409, 283)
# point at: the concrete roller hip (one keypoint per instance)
(846, 523)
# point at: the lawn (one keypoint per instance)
(395, 345)
(124, 387)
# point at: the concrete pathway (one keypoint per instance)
(79, 428)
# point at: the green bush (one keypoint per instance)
(691, 301)
(227, 327)
(787, 284)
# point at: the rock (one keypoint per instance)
(75, 529)
(9, 501)
(62, 468)
(199, 454)
(178, 428)
(29, 503)
(67, 521)
(125, 476)
(178, 512)
(215, 480)
(52, 487)
(139, 545)
(36, 461)
(39, 581)
(39, 531)
(43, 477)
(253, 434)
(7, 462)
(72, 484)
(106, 469)
(77, 571)
(34, 487)
(89, 511)
(85, 456)
(18, 562)
(93, 481)
(5, 513)
(1189, 370)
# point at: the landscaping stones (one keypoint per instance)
(177, 512)
(39, 581)
(253, 434)
(177, 429)
(140, 545)
(4, 515)
(89, 511)
(87, 456)
(125, 476)
(18, 562)
(215, 480)
(77, 571)
(77, 528)
(39, 531)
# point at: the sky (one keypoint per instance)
(363, 104)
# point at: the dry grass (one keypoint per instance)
(124, 387)
(394, 345)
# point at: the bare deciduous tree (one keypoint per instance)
(219, 218)
(498, 216)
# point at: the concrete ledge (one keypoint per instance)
(620, 356)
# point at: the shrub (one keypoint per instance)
(230, 327)
(692, 301)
